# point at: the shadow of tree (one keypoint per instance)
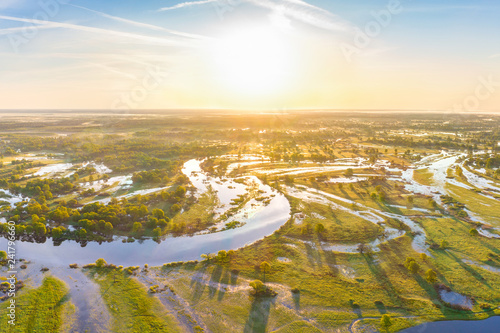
(470, 270)
(356, 308)
(383, 279)
(259, 315)
(380, 307)
(313, 255)
(226, 276)
(197, 285)
(296, 300)
(214, 280)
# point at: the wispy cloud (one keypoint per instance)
(307, 13)
(187, 4)
(100, 31)
(441, 8)
(8, 31)
(296, 9)
(142, 25)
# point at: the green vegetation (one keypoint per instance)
(345, 189)
(44, 309)
(133, 310)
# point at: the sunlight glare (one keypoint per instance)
(253, 61)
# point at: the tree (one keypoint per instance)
(431, 276)
(162, 223)
(158, 213)
(157, 232)
(3, 255)
(473, 232)
(349, 173)
(414, 267)
(385, 321)
(108, 228)
(56, 232)
(265, 267)
(180, 191)
(444, 244)
(221, 256)
(136, 227)
(319, 228)
(257, 286)
(39, 229)
(82, 233)
(100, 263)
(175, 208)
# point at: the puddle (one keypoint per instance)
(454, 298)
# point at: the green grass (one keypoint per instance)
(200, 215)
(44, 309)
(488, 209)
(132, 308)
(424, 177)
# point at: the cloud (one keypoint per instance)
(8, 31)
(307, 13)
(99, 31)
(142, 25)
(296, 9)
(187, 4)
(438, 8)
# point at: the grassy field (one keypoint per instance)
(133, 310)
(423, 176)
(44, 309)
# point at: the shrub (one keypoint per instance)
(100, 263)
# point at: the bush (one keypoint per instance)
(99, 263)
(261, 290)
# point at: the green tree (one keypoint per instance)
(431, 276)
(136, 227)
(319, 228)
(257, 286)
(180, 191)
(157, 232)
(100, 263)
(175, 208)
(265, 267)
(473, 232)
(82, 233)
(39, 229)
(108, 228)
(221, 256)
(414, 267)
(385, 321)
(158, 213)
(3, 255)
(56, 232)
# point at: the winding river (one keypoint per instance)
(258, 223)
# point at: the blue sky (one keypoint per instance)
(263, 54)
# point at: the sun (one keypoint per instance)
(253, 61)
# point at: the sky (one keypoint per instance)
(250, 54)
